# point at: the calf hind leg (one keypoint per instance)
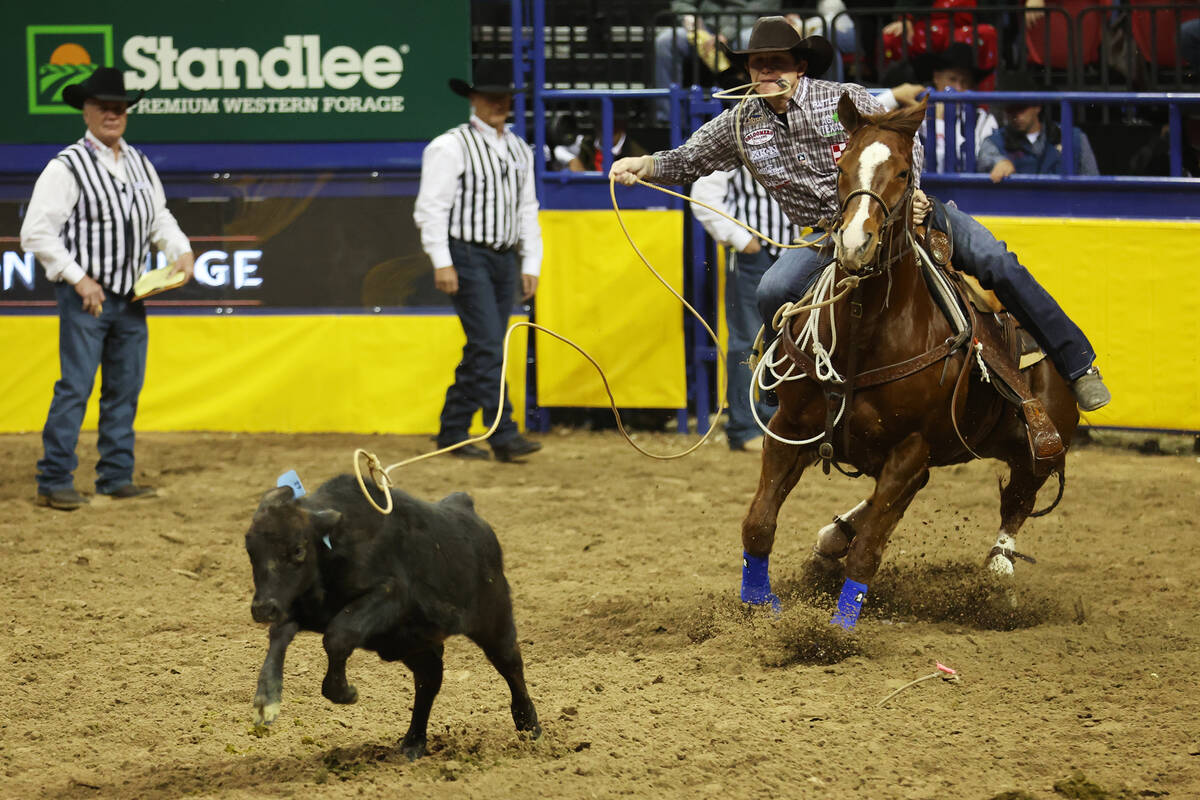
(505, 656)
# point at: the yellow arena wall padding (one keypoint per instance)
(596, 292)
(296, 374)
(1133, 286)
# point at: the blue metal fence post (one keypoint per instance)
(1067, 128)
(518, 65)
(1175, 137)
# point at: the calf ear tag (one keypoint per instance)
(290, 478)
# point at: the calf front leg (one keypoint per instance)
(426, 667)
(374, 612)
(270, 678)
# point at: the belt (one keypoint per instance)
(501, 249)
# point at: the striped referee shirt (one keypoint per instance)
(477, 186)
(794, 160)
(95, 212)
(739, 195)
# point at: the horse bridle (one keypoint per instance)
(892, 214)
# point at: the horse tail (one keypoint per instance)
(1062, 483)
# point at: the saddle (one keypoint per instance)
(997, 339)
(997, 345)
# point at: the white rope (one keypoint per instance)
(807, 339)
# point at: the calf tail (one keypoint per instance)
(1062, 483)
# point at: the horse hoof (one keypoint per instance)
(1001, 565)
(758, 601)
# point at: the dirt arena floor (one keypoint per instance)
(129, 658)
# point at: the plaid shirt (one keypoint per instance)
(795, 162)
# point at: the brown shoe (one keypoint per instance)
(131, 491)
(62, 499)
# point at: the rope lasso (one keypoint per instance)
(381, 476)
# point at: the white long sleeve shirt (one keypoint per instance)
(54, 198)
(442, 165)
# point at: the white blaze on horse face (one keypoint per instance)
(853, 236)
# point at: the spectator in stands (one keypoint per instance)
(952, 70)
(690, 41)
(478, 217)
(795, 140)
(912, 35)
(1189, 45)
(1030, 144)
(584, 154)
(739, 195)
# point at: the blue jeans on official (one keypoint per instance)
(976, 252)
(114, 342)
(487, 284)
(742, 321)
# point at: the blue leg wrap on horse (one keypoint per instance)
(756, 583)
(849, 604)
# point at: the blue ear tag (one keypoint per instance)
(849, 604)
(325, 539)
(290, 478)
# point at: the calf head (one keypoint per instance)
(282, 544)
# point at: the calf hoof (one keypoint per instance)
(412, 748)
(342, 695)
(527, 722)
(265, 711)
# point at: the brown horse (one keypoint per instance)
(919, 410)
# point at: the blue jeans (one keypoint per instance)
(114, 342)
(487, 284)
(789, 277)
(976, 252)
(742, 321)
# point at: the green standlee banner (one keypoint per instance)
(249, 71)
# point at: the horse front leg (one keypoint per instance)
(904, 473)
(782, 466)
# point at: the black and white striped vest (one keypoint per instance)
(489, 189)
(752, 205)
(108, 233)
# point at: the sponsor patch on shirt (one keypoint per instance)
(759, 136)
(830, 126)
(763, 153)
(837, 148)
(826, 103)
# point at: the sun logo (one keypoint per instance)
(60, 55)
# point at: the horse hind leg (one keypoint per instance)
(833, 541)
(1016, 504)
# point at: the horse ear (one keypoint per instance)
(848, 114)
(909, 122)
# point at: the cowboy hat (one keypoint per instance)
(106, 83)
(490, 78)
(957, 56)
(772, 34)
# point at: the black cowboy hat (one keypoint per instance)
(106, 83)
(772, 34)
(490, 78)
(958, 55)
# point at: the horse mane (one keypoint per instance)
(897, 121)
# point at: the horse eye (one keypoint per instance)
(904, 173)
(300, 552)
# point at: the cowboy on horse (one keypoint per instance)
(792, 137)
